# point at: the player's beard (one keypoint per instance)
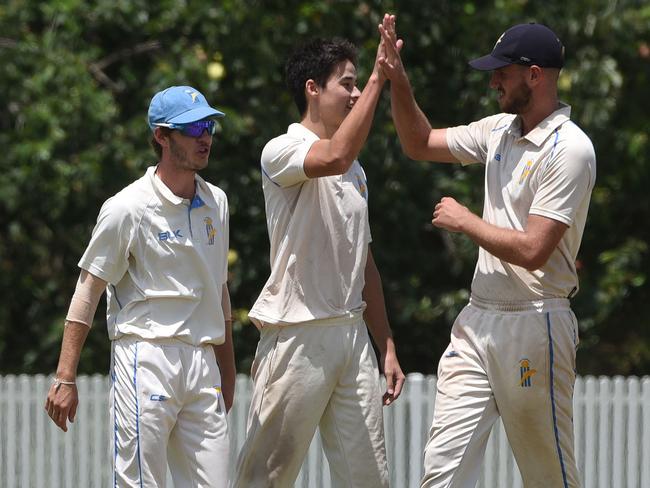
(182, 160)
(517, 101)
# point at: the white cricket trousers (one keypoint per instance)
(166, 407)
(516, 360)
(308, 376)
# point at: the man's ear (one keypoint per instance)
(311, 88)
(535, 74)
(161, 136)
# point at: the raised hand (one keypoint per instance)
(390, 62)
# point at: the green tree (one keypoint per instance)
(78, 77)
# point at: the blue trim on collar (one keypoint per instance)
(197, 202)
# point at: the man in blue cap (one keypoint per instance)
(160, 249)
(512, 349)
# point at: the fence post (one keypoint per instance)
(644, 451)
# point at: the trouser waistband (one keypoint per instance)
(349, 318)
(543, 305)
(158, 341)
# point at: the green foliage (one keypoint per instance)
(78, 77)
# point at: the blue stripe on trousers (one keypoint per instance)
(114, 424)
(137, 410)
(557, 435)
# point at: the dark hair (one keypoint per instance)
(154, 143)
(315, 60)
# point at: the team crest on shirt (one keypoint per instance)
(525, 373)
(528, 169)
(210, 231)
(219, 393)
(361, 184)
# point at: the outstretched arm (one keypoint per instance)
(377, 322)
(419, 141)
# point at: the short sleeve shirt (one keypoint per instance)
(165, 259)
(319, 235)
(549, 172)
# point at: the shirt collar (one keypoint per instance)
(541, 132)
(202, 195)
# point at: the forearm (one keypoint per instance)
(78, 321)
(348, 140)
(74, 337)
(377, 320)
(513, 246)
(412, 126)
(225, 355)
(375, 314)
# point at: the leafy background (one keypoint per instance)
(77, 77)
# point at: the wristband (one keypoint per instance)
(58, 382)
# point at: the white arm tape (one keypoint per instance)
(85, 299)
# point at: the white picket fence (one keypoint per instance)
(612, 423)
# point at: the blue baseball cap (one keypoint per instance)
(179, 105)
(524, 44)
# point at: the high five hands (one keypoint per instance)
(390, 46)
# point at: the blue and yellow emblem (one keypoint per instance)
(525, 373)
(209, 229)
(361, 184)
(219, 394)
(528, 169)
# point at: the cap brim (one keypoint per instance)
(193, 115)
(488, 63)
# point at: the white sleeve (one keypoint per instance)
(565, 181)
(469, 143)
(107, 254)
(283, 160)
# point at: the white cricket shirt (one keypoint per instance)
(165, 259)
(549, 172)
(319, 235)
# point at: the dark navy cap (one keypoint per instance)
(525, 44)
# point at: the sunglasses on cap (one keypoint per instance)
(194, 129)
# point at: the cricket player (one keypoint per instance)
(512, 350)
(159, 249)
(315, 366)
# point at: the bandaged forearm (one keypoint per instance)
(86, 296)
